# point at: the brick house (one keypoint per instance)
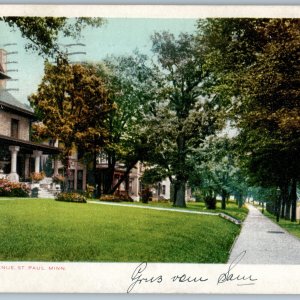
(19, 156)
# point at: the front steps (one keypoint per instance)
(44, 193)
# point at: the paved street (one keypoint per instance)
(265, 242)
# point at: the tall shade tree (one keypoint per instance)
(42, 33)
(257, 61)
(73, 103)
(217, 171)
(132, 87)
(186, 114)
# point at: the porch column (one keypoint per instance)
(13, 176)
(37, 155)
(55, 166)
(27, 166)
(84, 178)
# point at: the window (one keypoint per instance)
(163, 188)
(14, 128)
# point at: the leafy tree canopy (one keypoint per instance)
(43, 32)
(73, 103)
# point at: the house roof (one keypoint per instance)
(9, 101)
(2, 73)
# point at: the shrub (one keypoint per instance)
(115, 198)
(35, 192)
(13, 189)
(70, 197)
(58, 178)
(210, 202)
(198, 196)
(162, 200)
(37, 176)
(146, 195)
(89, 191)
(110, 198)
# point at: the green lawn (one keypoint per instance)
(291, 227)
(47, 230)
(231, 208)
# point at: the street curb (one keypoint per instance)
(231, 219)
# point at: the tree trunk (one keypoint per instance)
(240, 200)
(287, 214)
(284, 200)
(278, 205)
(174, 194)
(97, 186)
(180, 194)
(224, 199)
(181, 180)
(282, 208)
(227, 198)
(293, 199)
(288, 203)
(108, 174)
(123, 177)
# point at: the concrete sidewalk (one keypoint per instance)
(265, 242)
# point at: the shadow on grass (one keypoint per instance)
(291, 227)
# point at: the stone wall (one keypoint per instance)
(5, 128)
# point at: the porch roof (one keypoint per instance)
(28, 145)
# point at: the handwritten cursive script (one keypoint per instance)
(188, 279)
(141, 275)
(229, 276)
(137, 278)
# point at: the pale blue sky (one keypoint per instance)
(117, 37)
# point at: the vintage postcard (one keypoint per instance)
(149, 149)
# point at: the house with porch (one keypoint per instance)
(19, 156)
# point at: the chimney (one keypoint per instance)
(3, 69)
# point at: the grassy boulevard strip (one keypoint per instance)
(47, 230)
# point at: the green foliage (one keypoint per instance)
(130, 83)
(218, 170)
(232, 208)
(13, 189)
(70, 197)
(73, 103)
(268, 196)
(153, 175)
(43, 32)
(185, 114)
(291, 227)
(210, 202)
(256, 61)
